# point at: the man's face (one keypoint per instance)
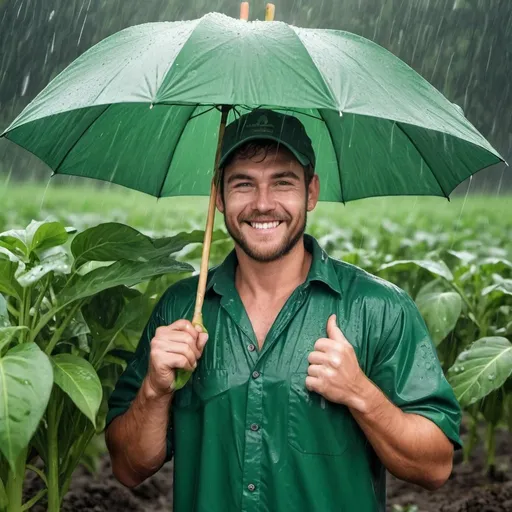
(265, 204)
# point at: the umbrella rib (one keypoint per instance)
(79, 138)
(192, 110)
(338, 162)
(423, 158)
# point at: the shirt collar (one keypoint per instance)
(322, 270)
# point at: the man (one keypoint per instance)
(316, 375)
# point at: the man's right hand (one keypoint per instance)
(179, 345)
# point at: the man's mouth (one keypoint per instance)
(265, 225)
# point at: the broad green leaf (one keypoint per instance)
(495, 264)
(8, 283)
(105, 307)
(113, 241)
(127, 273)
(480, 369)
(504, 287)
(44, 235)
(169, 245)
(110, 241)
(465, 256)
(8, 333)
(437, 268)
(440, 310)
(26, 382)
(53, 259)
(15, 240)
(77, 378)
(131, 322)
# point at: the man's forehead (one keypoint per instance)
(274, 160)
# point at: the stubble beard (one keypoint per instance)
(286, 246)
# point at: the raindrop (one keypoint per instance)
(462, 368)
(473, 400)
(24, 86)
(52, 14)
(491, 376)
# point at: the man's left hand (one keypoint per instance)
(334, 370)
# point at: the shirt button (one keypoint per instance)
(255, 427)
(251, 348)
(255, 375)
(251, 487)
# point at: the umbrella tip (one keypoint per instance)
(244, 11)
(270, 11)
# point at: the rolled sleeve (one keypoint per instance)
(407, 369)
(131, 379)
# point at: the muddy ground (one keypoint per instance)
(467, 490)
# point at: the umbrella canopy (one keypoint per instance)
(142, 109)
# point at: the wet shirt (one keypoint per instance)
(245, 432)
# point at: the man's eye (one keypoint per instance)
(243, 184)
(283, 183)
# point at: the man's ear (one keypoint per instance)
(313, 192)
(218, 201)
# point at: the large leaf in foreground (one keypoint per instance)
(77, 378)
(110, 241)
(438, 268)
(440, 310)
(480, 369)
(26, 382)
(113, 241)
(127, 273)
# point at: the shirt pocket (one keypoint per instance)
(202, 388)
(316, 426)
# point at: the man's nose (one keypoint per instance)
(264, 199)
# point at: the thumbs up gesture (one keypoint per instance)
(334, 370)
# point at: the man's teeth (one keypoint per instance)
(265, 225)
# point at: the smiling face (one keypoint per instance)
(265, 203)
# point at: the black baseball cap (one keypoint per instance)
(268, 124)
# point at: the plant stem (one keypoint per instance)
(53, 457)
(491, 447)
(14, 312)
(30, 503)
(40, 299)
(78, 451)
(472, 439)
(58, 332)
(14, 487)
(463, 297)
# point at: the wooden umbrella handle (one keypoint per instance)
(203, 274)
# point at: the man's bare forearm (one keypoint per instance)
(137, 439)
(410, 446)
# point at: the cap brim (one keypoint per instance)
(303, 159)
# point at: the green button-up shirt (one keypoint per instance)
(247, 435)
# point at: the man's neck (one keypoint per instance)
(275, 278)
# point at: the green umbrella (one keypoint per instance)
(143, 107)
